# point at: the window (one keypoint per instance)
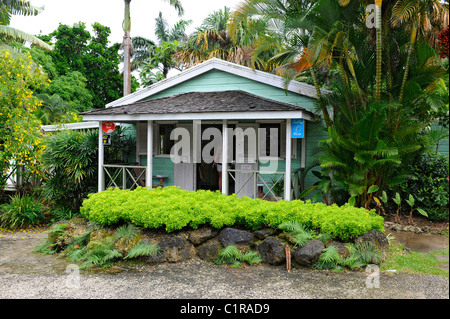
(271, 145)
(161, 138)
(165, 144)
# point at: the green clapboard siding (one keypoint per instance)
(161, 166)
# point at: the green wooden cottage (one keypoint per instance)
(232, 114)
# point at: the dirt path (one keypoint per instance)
(24, 274)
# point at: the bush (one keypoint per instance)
(174, 209)
(70, 159)
(22, 211)
(429, 185)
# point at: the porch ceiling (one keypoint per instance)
(202, 105)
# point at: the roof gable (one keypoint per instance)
(202, 105)
(224, 66)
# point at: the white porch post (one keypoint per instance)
(287, 177)
(225, 157)
(149, 171)
(101, 159)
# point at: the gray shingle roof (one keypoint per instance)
(201, 102)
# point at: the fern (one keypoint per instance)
(302, 238)
(292, 227)
(143, 248)
(127, 232)
(232, 256)
(328, 259)
(298, 231)
(251, 257)
(228, 255)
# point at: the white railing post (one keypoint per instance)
(101, 158)
(149, 170)
(225, 157)
(287, 177)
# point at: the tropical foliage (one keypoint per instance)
(76, 50)
(155, 61)
(388, 91)
(70, 159)
(20, 137)
(21, 211)
(216, 37)
(18, 7)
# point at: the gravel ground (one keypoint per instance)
(26, 275)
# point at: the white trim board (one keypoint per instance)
(280, 115)
(217, 64)
(69, 126)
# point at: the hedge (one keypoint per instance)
(172, 208)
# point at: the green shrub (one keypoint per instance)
(428, 184)
(70, 160)
(22, 211)
(173, 209)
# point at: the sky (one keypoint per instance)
(111, 12)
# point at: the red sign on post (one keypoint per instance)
(108, 127)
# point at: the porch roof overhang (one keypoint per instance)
(221, 105)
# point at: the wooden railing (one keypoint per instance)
(260, 183)
(124, 177)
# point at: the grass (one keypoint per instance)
(415, 262)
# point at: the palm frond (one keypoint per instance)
(23, 36)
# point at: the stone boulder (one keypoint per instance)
(264, 233)
(376, 237)
(199, 236)
(173, 249)
(209, 250)
(272, 251)
(309, 254)
(232, 236)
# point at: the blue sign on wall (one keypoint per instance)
(297, 128)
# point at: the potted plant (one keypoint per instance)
(278, 187)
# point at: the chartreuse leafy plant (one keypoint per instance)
(172, 209)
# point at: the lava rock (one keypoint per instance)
(232, 236)
(173, 249)
(272, 251)
(309, 254)
(376, 237)
(209, 250)
(199, 236)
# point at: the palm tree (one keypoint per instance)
(127, 45)
(219, 37)
(18, 7)
(148, 55)
(419, 15)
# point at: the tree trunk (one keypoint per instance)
(126, 63)
(127, 47)
(378, 4)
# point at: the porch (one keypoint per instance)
(255, 184)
